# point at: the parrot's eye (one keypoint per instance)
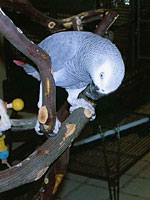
(102, 75)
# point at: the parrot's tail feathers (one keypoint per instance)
(19, 62)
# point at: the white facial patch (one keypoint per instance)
(107, 70)
(101, 77)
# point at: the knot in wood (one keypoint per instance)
(51, 25)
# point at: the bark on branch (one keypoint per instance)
(49, 23)
(46, 154)
(40, 58)
(106, 22)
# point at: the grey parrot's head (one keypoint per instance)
(107, 74)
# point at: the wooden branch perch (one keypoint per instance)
(48, 152)
(106, 22)
(34, 167)
(49, 23)
(109, 18)
(25, 7)
(40, 58)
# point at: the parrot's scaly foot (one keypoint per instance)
(81, 103)
(55, 130)
(37, 128)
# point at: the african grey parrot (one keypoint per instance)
(78, 59)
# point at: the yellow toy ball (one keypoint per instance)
(18, 104)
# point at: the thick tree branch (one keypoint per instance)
(106, 22)
(25, 7)
(41, 59)
(46, 154)
(49, 23)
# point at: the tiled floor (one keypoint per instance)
(134, 185)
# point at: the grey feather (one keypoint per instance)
(82, 58)
(75, 54)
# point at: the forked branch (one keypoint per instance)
(33, 167)
(49, 23)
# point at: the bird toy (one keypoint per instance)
(17, 104)
(5, 124)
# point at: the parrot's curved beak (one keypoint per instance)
(93, 93)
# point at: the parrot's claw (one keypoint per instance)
(78, 103)
(37, 128)
(57, 126)
(55, 130)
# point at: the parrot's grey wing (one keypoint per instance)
(61, 47)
